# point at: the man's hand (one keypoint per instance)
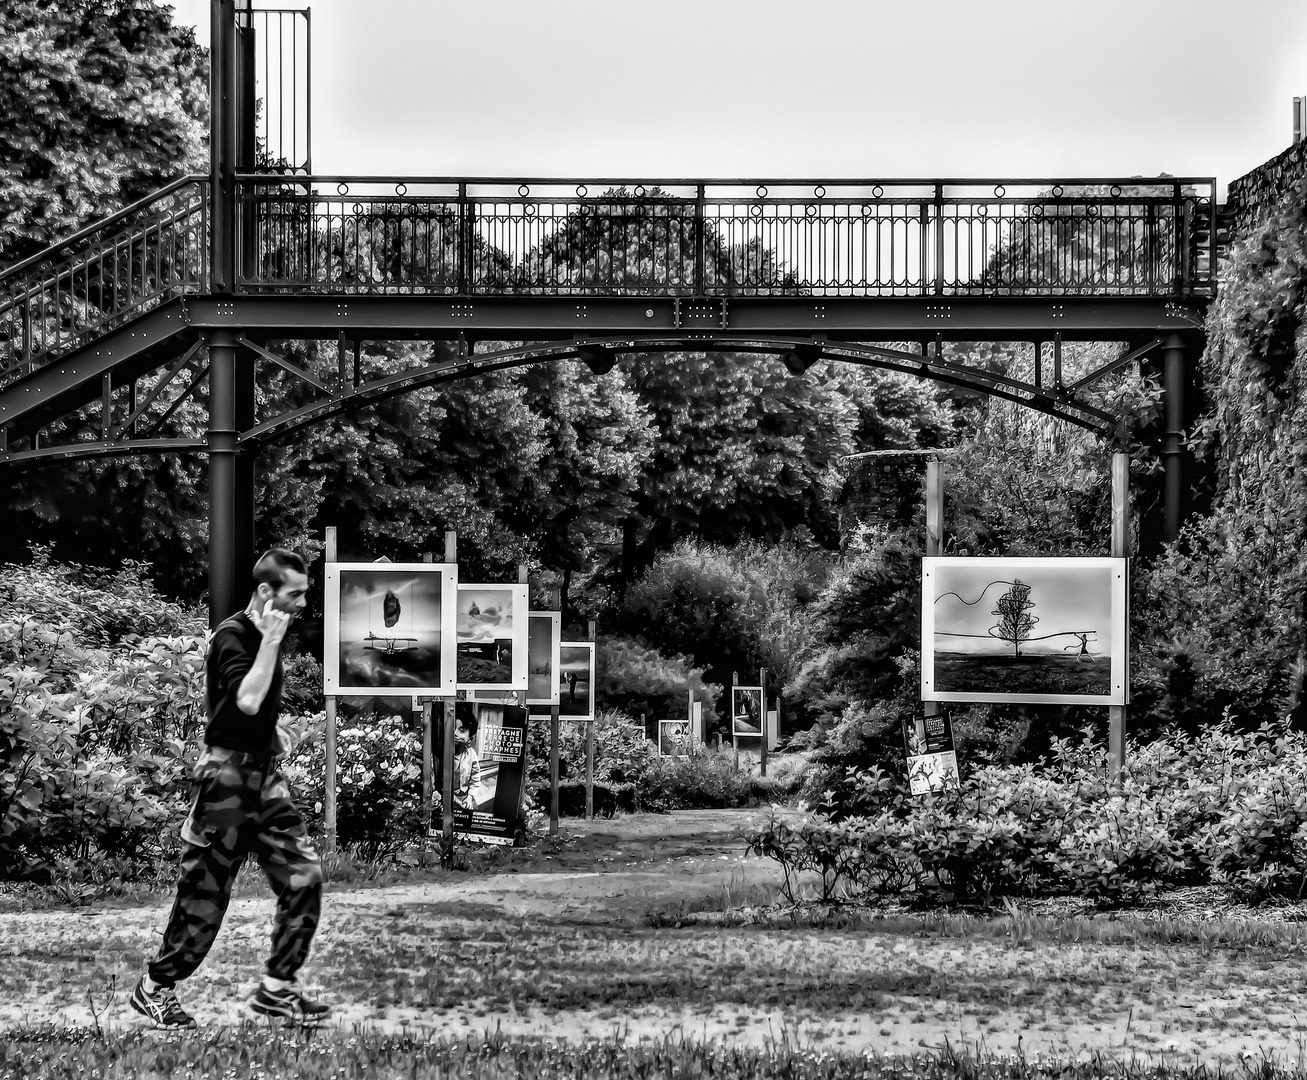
(271, 624)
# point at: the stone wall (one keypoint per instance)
(1257, 192)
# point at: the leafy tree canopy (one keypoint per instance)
(102, 101)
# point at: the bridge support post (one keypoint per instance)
(247, 462)
(1174, 502)
(224, 597)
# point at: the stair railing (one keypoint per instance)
(104, 275)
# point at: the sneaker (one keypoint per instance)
(289, 1004)
(161, 1008)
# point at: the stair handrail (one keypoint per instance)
(46, 253)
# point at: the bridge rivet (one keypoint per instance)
(648, 313)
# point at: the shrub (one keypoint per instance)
(101, 693)
(378, 775)
(639, 679)
(704, 779)
(1229, 808)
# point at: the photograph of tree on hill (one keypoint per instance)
(1032, 630)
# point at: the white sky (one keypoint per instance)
(823, 89)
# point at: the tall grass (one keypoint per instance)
(257, 1053)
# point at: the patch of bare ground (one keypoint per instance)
(583, 941)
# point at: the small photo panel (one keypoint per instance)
(492, 637)
(576, 679)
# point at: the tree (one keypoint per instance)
(1014, 619)
(102, 101)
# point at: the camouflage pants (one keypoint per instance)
(242, 806)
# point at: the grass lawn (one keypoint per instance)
(651, 945)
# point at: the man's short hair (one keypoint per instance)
(273, 566)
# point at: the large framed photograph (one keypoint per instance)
(492, 637)
(544, 629)
(746, 711)
(389, 629)
(576, 679)
(1031, 630)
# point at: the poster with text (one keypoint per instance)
(576, 679)
(492, 637)
(928, 746)
(1024, 630)
(542, 664)
(746, 711)
(389, 629)
(489, 767)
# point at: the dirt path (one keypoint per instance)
(563, 947)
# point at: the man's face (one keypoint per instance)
(461, 734)
(290, 597)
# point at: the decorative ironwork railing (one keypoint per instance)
(104, 275)
(775, 238)
(744, 238)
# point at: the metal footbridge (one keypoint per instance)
(184, 295)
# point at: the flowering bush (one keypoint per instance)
(101, 692)
(378, 775)
(1229, 808)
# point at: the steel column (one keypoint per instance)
(224, 596)
(224, 119)
(1173, 380)
(246, 470)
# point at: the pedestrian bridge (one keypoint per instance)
(585, 269)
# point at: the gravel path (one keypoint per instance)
(564, 948)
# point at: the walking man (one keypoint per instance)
(242, 806)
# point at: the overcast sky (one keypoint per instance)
(822, 89)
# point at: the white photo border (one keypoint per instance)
(521, 601)
(555, 633)
(590, 646)
(1119, 607)
(332, 686)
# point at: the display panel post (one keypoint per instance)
(1117, 714)
(553, 770)
(934, 533)
(329, 740)
(590, 748)
(447, 748)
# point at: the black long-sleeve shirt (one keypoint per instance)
(232, 651)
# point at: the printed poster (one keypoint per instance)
(928, 746)
(489, 769)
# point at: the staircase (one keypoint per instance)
(103, 277)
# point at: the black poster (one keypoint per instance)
(489, 767)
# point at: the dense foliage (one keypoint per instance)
(1228, 809)
(101, 697)
(102, 102)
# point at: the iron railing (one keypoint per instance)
(104, 275)
(773, 238)
(899, 238)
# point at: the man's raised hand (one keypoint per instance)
(272, 624)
